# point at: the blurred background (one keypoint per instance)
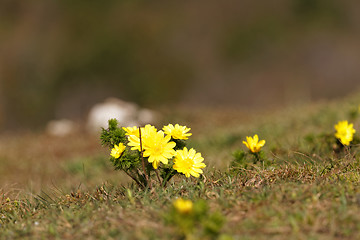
(59, 58)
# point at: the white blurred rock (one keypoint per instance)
(60, 128)
(146, 116)
(127, 114)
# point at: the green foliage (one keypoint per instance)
(321, 143)
(213, 224)
(199, 223)
(240, 159)
(128, 161)
(180, 144)
(167, 172)
(113, 135)
(248, 160)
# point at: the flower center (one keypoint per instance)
(188, 163)
(157, 149)
(177, 132)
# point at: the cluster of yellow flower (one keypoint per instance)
(158, 148)
(344, 132)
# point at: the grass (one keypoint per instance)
(309, 189)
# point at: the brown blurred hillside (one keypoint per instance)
(58, 58)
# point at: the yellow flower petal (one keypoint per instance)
(177, 131)
(183, 206)
(188, 162)
(117, 150)
(261, 143)
(159, 149)
(344, 132)
(253, 144)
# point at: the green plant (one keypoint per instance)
(194, 220)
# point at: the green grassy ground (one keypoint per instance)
(307, 187)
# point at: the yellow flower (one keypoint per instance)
(131, 131)
(183, 206)
(158, 148)
(177, 131)
(253, 144)
(147, 133)
(117, 150)
(188, 162)
(344, 132)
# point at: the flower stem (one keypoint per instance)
(133, 178)
(257, 156)
(142, 160)
(168, 177)
(158, 176)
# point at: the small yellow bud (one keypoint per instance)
(183, 206)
